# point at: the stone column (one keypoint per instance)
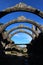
(33, 27)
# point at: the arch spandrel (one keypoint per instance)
(20, 31)
(21, 19)
(21, 7)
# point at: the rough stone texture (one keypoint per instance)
(34, 49)
(21, 7)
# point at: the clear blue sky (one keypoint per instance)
(21, 37)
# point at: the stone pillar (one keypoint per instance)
(33, 27)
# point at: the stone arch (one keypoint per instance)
(21, 7)
(11, 35)
(22, 27)
(21, 19)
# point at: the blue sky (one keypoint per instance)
(21, 37)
